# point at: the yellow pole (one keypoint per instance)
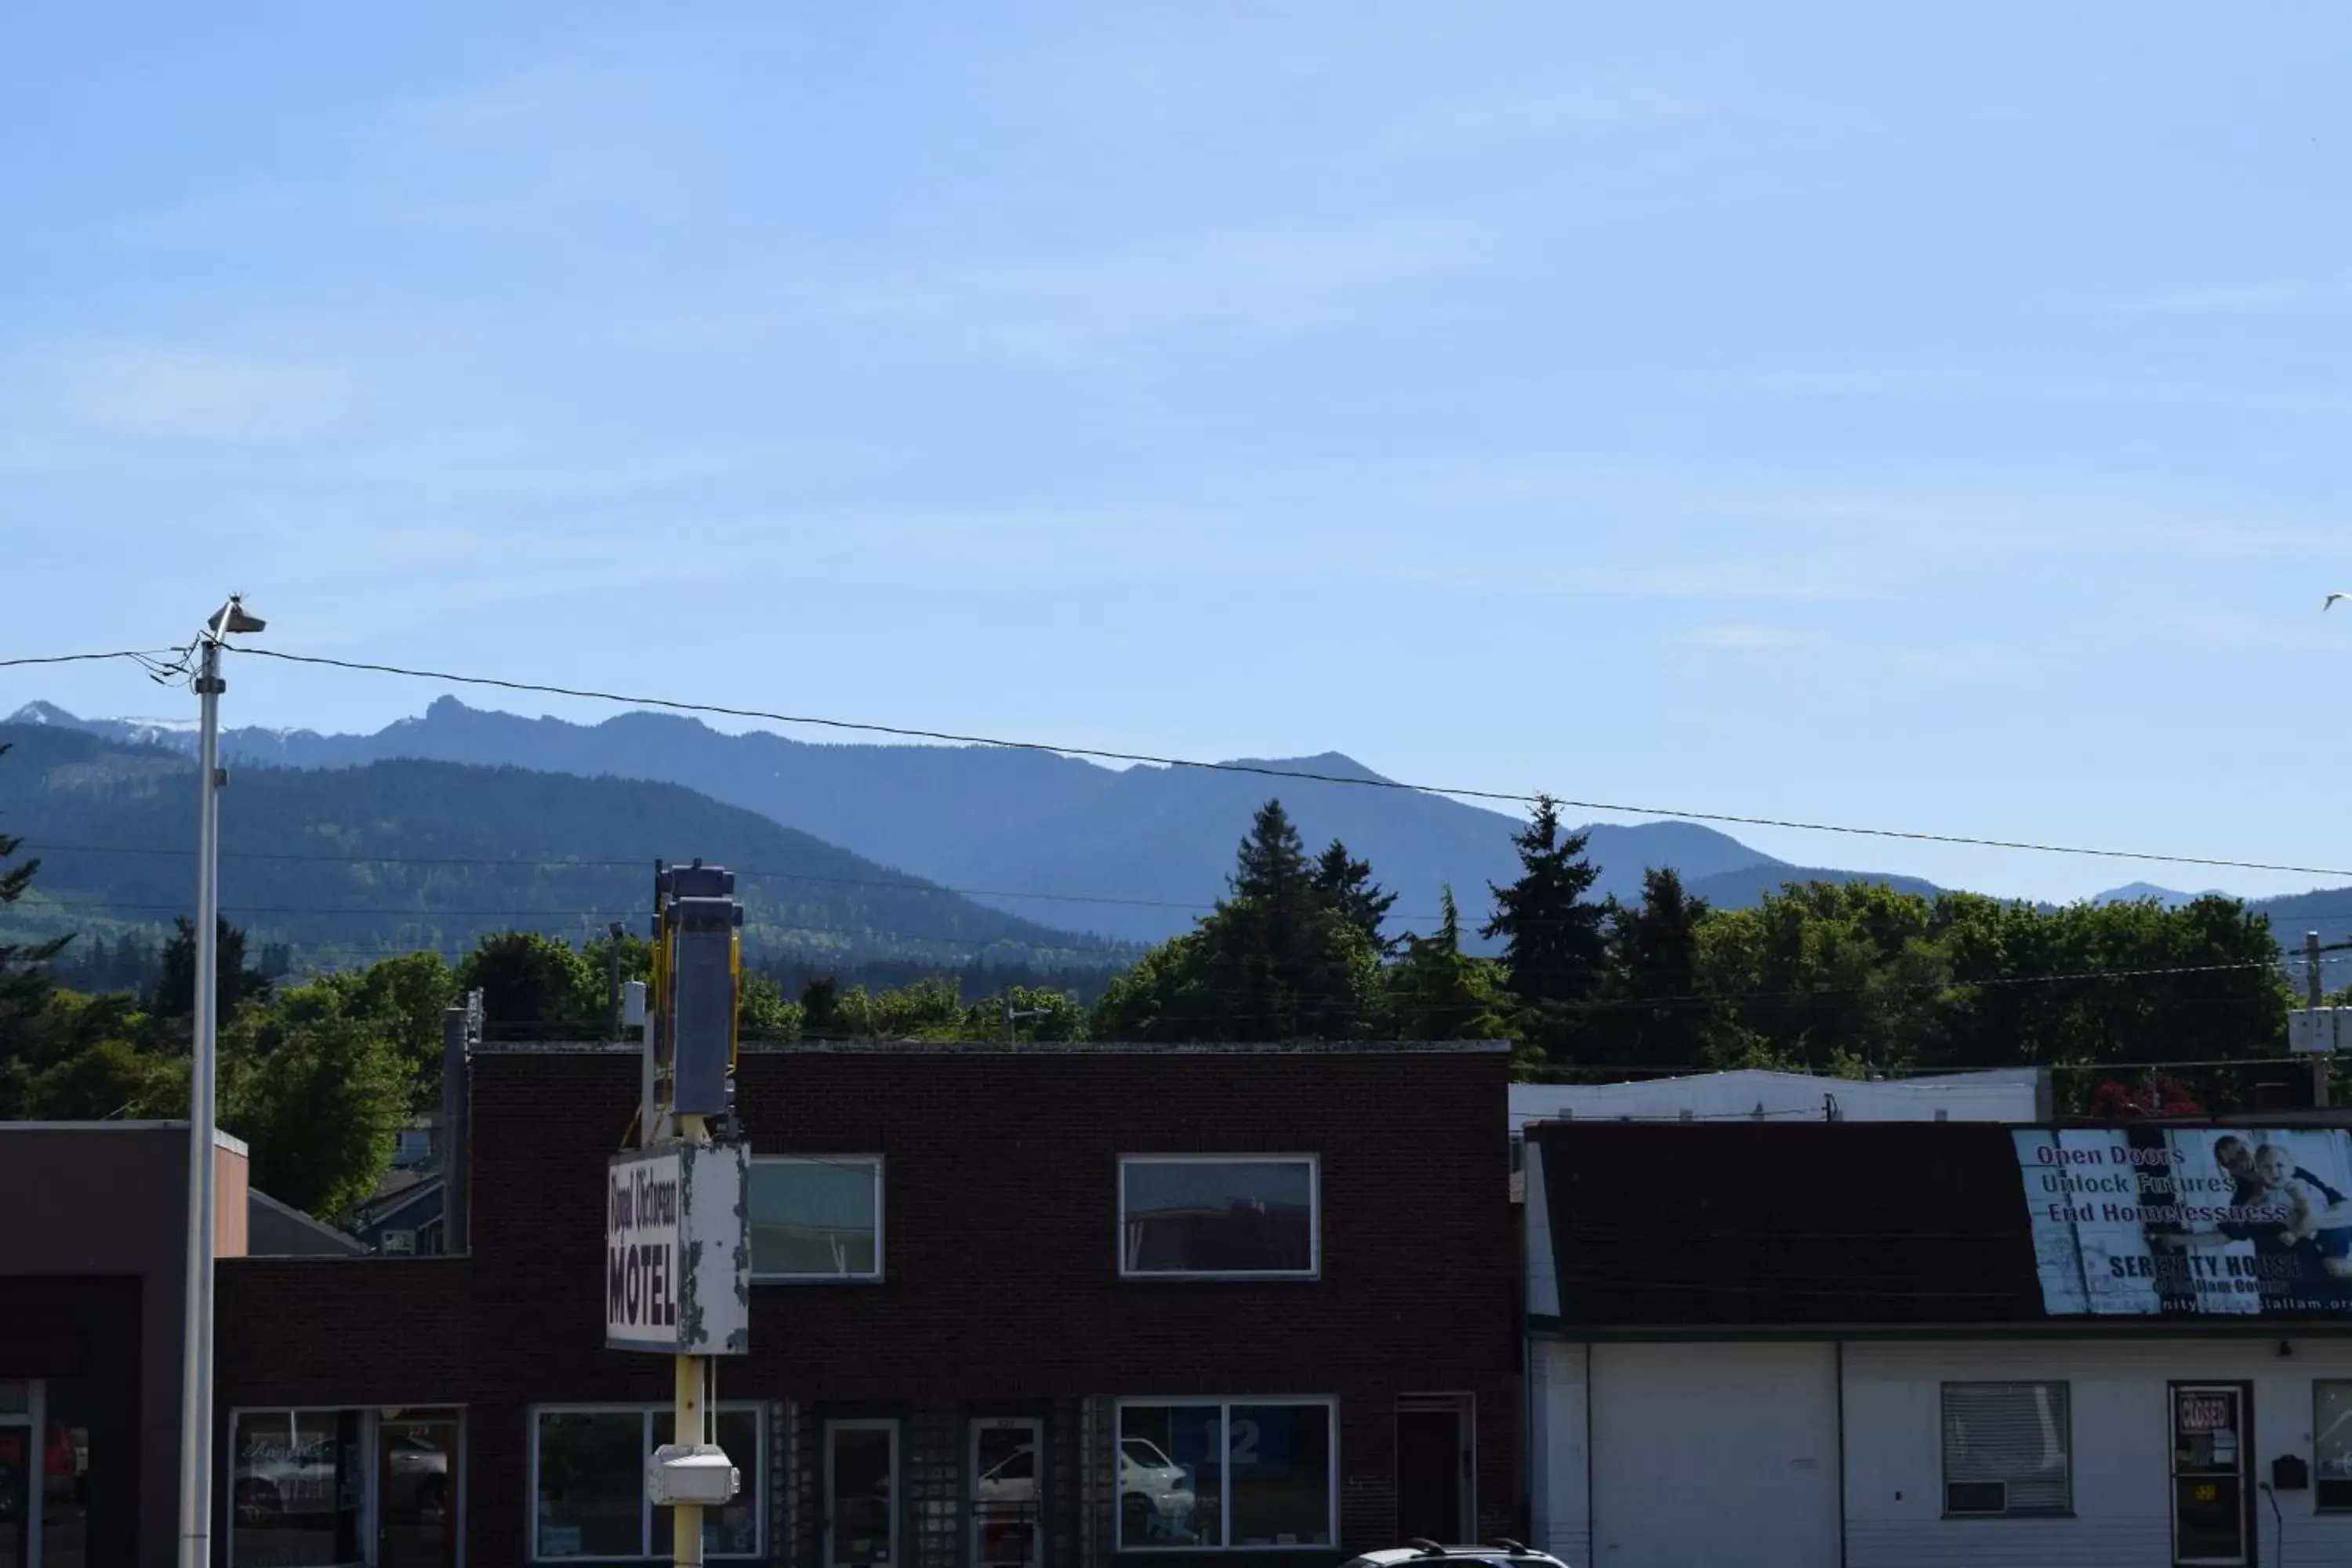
(685, 1519)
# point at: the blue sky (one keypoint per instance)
(1921, 415)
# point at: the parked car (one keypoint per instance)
(1011, 1481)
(1500, 1552)
(1155, 1492)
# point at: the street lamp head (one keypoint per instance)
(233, 617)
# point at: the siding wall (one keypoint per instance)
(1697, 1450)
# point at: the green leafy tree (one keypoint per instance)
(407, 997)
(109, 1078)
(532, 982)
(761, 1012)
(321, 1105)
(1437, 992)
(1038, 1014)
(1555, 947)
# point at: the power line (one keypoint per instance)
(143, 657)
(904, 731)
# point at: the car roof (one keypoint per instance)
(1389, 1557)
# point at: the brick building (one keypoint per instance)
(1012, 1305)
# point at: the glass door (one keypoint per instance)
(417, 1468)
(861, 1490)
(2212, 1525)
(1006, 1491)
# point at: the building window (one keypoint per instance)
(2005, 1450)
(297, 1488)
(1214, 1475)
(308, 1486)
(2331, 1445)
(588, 1484)
(816, 1218)
(1253, 1217)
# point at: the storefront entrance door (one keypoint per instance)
(2212, 1512)
(1006, 1489)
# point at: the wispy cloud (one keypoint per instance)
(2311, 292)
(179, 394)
(1744, 637)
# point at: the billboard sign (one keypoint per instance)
(2202, 1222)
(677, 1254)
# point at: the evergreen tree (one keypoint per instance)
(25, 982)
(175, 992)
(1437, 992)
(1346, 887)
(1655, 1015)
(821, 1005)
(1272, 962)
(1555, 946)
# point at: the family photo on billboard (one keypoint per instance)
(2200, 1222)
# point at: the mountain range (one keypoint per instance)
(1132, 854)
(402, 854)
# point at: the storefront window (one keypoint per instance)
(1201, 1475)
(590, 1469)
(298, 1490)
(2331, 1445)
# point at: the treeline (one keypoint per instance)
(1819, 977)
(319, 1074)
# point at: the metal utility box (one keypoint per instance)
(703, 983)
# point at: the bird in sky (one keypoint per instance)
(2330, 603)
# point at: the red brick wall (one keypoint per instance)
(1000, 1200)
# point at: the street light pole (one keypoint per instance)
(197, 1368)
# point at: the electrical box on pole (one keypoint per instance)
(698, 965)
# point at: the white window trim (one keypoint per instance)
(368, 1499)
(1314, 1163)
(1225, 1407)
(881, 1194)
(754, 1479)
(1944, 1457)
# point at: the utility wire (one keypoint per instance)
(905, 732)
(144, 657)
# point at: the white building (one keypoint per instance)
(2013, 1094)
(1858, 1345)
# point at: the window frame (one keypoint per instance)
(2319, 1386)
(1314, 1269)
(881, 1270)
(2065, 1388)
(755, 1478)
(1223, 1405)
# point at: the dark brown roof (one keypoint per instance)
(1743, 1224)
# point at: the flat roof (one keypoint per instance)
(221, 1140)
(1023, 1049)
